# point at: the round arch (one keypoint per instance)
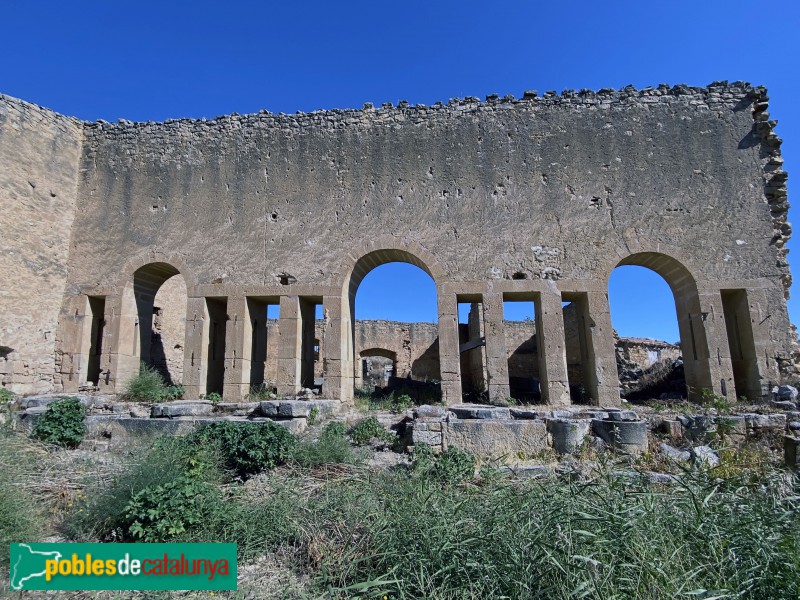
(383, 352)
(141, 281)
(354, 268)
(691, 319)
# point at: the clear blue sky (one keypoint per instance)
(149, 60)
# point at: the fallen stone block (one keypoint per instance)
(699, 428)
(675, 454)
(100, 426)
(480, 411)
(496, 439)
(297, 408)
(171, 410)
(237, 409)
(568, 434)
(426, 411)
(128, 430)
(525, 413)
(704, 456)
(757, 422)
(622, 415)
(628, 436)
(783, 404)
(44, 400)
(294, 425)
(673, 429)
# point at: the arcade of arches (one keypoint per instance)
(231, 345)
(533, 199)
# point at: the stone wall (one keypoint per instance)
(532, 198)
(645, 352)
(39, 157)
(169, 329)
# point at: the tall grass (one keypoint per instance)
(406, 534)
(21, 517)
(601, 539)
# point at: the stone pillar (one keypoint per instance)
(238, 346)
(290, 342)
(762, 306)
(496, 356)
(337, 366)
(602, 378)
(449, 358)
(195, 360)
(716, 350)
(123, 325)
(74, 341)
(553, 378)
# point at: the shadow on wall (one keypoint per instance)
(426, 366)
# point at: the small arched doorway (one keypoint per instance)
(138, 343)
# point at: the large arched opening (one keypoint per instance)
(661, 348)
(152, 323)
(394, 279)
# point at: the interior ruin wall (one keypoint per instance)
(535, 195)
(39, 162)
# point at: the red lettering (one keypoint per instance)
(154, 570)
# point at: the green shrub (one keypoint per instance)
(451, 466)
(159, 513)
(214, 397)
(62, 423)
(173, 392)
(108, 510)
(708, 399)
(333, 447)
(246, 448)
(313, 415)
(335, 429)
(454, 465)
(147, 386)
(423, 459)
(368, 429)
(6, 395)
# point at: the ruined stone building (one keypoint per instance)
(535, 199)
(388, 351)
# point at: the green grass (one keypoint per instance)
(21, 517)
(332, 447)
(149, 386)
(398, 400)
(409, 534)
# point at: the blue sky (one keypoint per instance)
(149, 60)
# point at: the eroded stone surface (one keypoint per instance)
(293, 209)
(496, 438)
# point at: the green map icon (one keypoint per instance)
(28, 564)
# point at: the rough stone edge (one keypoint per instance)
(567, 97)
(775, 189)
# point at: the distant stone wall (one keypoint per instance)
(645, 352)
(39, 158)
(169, 329)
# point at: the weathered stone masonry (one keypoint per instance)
(537, 199)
